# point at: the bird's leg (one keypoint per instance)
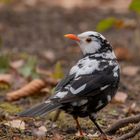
(78, 125)
(56, 115)
(93, 119)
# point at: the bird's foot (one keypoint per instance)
(80, 134)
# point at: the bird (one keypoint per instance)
(89, 85)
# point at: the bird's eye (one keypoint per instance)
(88, 40)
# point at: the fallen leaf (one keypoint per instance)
(42, 128)
(6, 77)
(17, 64)
(58, 72)
(40, 132)
(29, 68)
(130, 70)
(49, 55)
(120, 97)
(57, 136)
(43, 71)
(5, 81)
(33, 87)
(135, 6)
(105, 24)
(16, 124)
(4, 63)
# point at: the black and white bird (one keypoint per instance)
(90, 84)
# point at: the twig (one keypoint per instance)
(131, 134)
(31, 88)
(122, 123)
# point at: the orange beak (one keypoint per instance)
(72, 36)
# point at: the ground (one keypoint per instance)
(34, 32)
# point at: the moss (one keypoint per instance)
(9, 108)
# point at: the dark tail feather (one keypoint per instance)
(40, 110)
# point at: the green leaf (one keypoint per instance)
(58, 72)
(105, 24)
(4, 63)
(135, 6)
(29, 69)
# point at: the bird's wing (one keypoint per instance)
(88, 85)
(65, 81)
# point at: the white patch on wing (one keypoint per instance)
(84, 109)
(108, 98)
(106, 55)
(88, 67)
(74, 103)
(82, 102)
(76, 91)
(61, 94)
(48, 101)
(67, 87)
(104, 87)
(115, 71)
(100, 103)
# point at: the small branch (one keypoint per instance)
(122, 123)
(131, 134)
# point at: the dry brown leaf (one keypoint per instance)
(43, 72)
(16, 124)
(126, 23)
(33, 87)
(40, 132)
(17, 64)
(120, 97)
(6, 78)
(42, 128)
(123, 53)
(57, 136)
(49, 55)
(130, 70)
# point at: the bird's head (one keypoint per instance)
(91, 42)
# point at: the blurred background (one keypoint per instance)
(32, 46)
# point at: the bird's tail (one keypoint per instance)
(40, 110)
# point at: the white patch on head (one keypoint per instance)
(115, 71)
(94, 45)
(85, 34)
(61, 94)
(108, 98)
(88, 66)
(104, 87)
(76, 91)
(100, 103)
